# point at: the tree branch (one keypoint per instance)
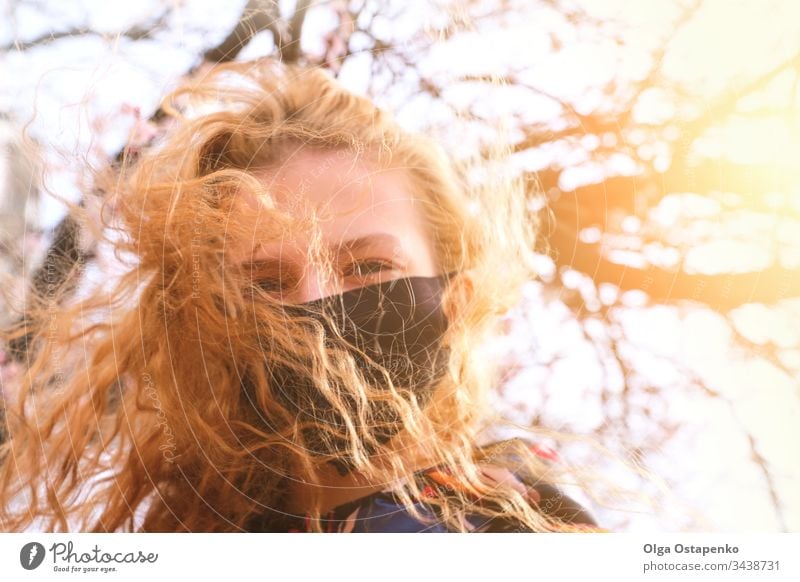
(290, 50)
(138, 32)
(258, 16)
(719, 292)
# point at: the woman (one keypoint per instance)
(294, 344)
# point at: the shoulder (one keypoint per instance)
(501, 462)
(384, 512)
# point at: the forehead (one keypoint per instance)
(337, 181)
(345, 197)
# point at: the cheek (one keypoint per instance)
(423, 256)
(420, 241)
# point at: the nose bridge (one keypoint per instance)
(309, 266)
(311, 287)
(314, 284)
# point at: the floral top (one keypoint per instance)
(382, 511)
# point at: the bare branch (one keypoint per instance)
(719, 292)
(258, 16)
(726, 105)
(290, 50)
(138, 32)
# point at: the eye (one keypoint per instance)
(269, 284)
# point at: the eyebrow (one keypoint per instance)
(369, 241)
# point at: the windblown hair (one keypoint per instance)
(132, 400)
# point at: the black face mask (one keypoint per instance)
(399, 324)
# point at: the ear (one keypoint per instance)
(460, 293)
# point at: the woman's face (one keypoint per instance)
(369, 222)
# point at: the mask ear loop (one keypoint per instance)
(450, 275)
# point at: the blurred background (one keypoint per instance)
(664, 140)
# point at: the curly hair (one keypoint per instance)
(136, 387)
